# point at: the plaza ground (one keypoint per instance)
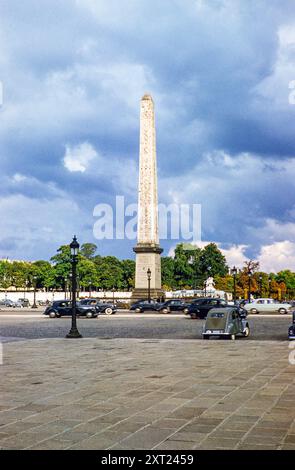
(116, 391)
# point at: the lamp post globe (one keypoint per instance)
(74, 246)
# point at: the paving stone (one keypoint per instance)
(230, 398)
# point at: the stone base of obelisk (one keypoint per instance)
(147, 257)
(142, 294)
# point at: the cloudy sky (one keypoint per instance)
(73, 72)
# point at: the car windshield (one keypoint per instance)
(216, 315)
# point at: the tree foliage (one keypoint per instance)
(188, 268)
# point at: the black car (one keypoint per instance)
(101, 307)
(175, 305)
(292, 328)
(145, 305)
(60, 308)
(200, 307)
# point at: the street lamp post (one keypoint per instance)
(35, 287)
(4, 280)
(89, 290)
(260, 285)
(234, 274)
(249, 285)
(74, 333)
(269, 286)
(65, 284)
(149, 274)
(25, 288)
(113, 290)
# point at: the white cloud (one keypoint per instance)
(78, 158)
(277, 256)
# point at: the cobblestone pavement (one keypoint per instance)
(174, 326)
(146, 394)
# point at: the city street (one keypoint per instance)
(30, 324)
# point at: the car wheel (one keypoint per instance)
(247, 332)
(185, 311)
(108, 311)
(282, 311)
(52, 314)
(233, 337)
(89, 314)
(165, 310)
(193, 316)
(254, 311)
(137, 310)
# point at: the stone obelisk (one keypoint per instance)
(147, 250)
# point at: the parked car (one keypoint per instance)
(101, 307)
(292, 328)
(175, 305)
(200, 307)
(60, 308)
(226, 322)
(7, 303)
(145, 305)
(268, 306)
(24, 302)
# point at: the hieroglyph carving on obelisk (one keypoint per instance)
(147, 249)
(147, 188)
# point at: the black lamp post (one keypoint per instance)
(249, 285)
(4, 280)
(234, 274)
(260, 285)
(113, 290)
(35, 287)
(25, 288)
(149, 274)
(269, 286)
(74, 333)
(66, 285)
(89, 289)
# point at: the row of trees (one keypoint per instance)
(188, 269)
(94, 271)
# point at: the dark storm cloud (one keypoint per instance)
(73, 73)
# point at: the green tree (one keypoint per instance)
(128, 273)
(109, 272)
(87, 272)
(167, 268)
(62, 266)
(212, 261)
(183, 265)
(88, 250)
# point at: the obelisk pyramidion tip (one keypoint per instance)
(147, 96)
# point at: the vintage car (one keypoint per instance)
(173, 305)
(100, 306)
(292, 328)
(145, 306)
(268, 306)
(60, 308)
(228, 322)
(199, 308)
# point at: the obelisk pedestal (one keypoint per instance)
(147, 250)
